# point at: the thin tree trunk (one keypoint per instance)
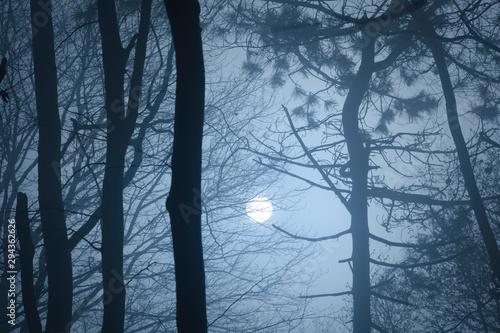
(357, 203)
(431, 39)
(121, 126)
(183, 201)
(26, 254)
(130, 173)
(59, 270)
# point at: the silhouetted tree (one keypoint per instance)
(3, 71)
(58, 254)
(287, 32)
(121, 124)
(431, 39)
(26, 257)
(184, 199)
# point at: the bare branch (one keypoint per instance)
(318, 239)
(414, 246)
(327, 295)
(313, 160)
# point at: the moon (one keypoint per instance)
(259, 209)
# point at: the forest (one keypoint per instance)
(250, 166)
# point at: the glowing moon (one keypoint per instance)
(259, 209)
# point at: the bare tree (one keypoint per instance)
(58, 254)
(121, 124)
(183, 201)
(26, 258)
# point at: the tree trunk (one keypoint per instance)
(183, 202)
(59, 270)
(120, 129)
(26, 254)
(431, 39)
(357, 203)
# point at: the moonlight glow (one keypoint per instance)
(259, 209)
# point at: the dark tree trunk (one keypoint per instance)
(432, 40)
(26, 254)
(53, 220)
(183, 201)
(121, 126)
(357, 204)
